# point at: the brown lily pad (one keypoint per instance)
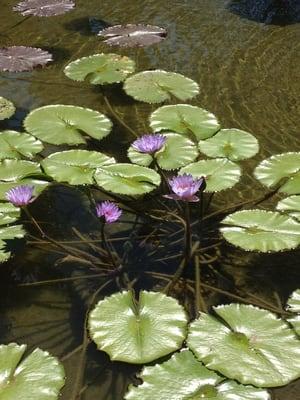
(44, 8)
(21, 58)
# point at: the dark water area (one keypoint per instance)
(245, 55)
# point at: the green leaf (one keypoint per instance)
(100, 69)
(185, 119)
(14, 170)
(281, 169)
(76, 167)
(39, 376)
(184, 378)
(247, 344)
(17, 145)
(291, 206)
(233, 144)
(8, 213)
(127, 179)
(157, 86)
(177, 152)
(219, 173)
(7, 108)
(138, 331)
(260, 230)
(6, 233)
(60, 124)
(293, 305)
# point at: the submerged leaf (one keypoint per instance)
(44, 8)
(291, 206)
(7, 108)
(246, 344)
(157, 86)
(138, 331)
(133, 35)
(60, 124)
(182, 377)
(39, 376)
(17, 145)
(21, 58)
(100, 69)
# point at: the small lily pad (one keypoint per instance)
(17, 145)
(60, 124)
(44, 8)
(233, 144)
(246, 344)
(100, 69)
(8, 233)
(157, 86)
(21, 58)
(7, 108)
(260, 230)
(291, 206)
(39, 376)
(281, 169)
(220, 174)
(138, 331)
(189, 120)
(293, 305)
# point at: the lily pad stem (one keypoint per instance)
(200, 304)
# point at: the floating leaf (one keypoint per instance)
(177, 152)
(21, 58)
(291, 206)
(8, 233)
(246, 344)
(44, 8)
(260, 230)
(7, 108)
(60, 124)
(186, 119)
(233, 144)
(133, 35)
(157, 86)
(17, 145)
(281, 169)
(127, 179)
(294, 306)
(39, 376)
(100, 69)
(183, 377)
(8, 213)
(219, 173)
(138, 331)
(76, 167)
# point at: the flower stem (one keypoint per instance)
(106, 246)
(188, 236)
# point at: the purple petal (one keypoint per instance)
(109, 211)
(20, 196)
(149, 143)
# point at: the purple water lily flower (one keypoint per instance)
(20, 196)
(109, 211)
(185, 187)
(149, 143)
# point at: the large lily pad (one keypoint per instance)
(291, 206)
(8, 213)
(138, 331)
(76, 167)
(219, 173)
(100, 69)
(281, 169)
(196, 122)
(17, 145)
(21, 58)
(60, 124)
(39, 376)
(127, 179)
(44, 8)
(260, 230)
(8, 233)
(177, 152)
(233, 144)
(293, 305)
(7, 108)
(247, 344)
(183, 377)
(157, 86)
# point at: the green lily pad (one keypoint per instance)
(60, 124)
(127, 179)
(7, 108)
(100, 69)
(6, 233)
(17, 145)
(185, 119)
(157, 86)
(233, 144)
(183, 377)
(219, 173)
(8, 213)
(291, 206)
(293, 305)
(14, 170)
(178, 151)
(281, 169)
(39, 376)
(138, 331)
(76, 167)
(260, 230)
(246, 344)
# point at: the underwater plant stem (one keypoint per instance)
(200, 304)
(188, 235)
(84, 240)
(17, 24)
(62, 280)
(106, 246)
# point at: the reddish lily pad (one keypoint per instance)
(44, 8)
(22, 58)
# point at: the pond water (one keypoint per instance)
(248, 73)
